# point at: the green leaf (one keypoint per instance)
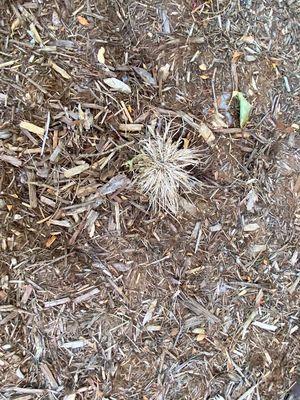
(245, 108)
(129, 164)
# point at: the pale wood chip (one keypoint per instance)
(7, 308)
(117, 85)
(131, 127)
(149, 313)
(248, 394)
(55, 154)
(188, 207)
(76, 344)
(64, 223)
(248, 322)
(251, 227)
(71, 396)
(86, 190)
(153, 328)
(86, 296)
(90, 222)
(49, 376)
(205, 132)
(58, 302)
(257, 248)
(27, 293)
(8, 318)
(47, 201)
(7, 64)
(264, 326)
(33, 128)
(69, 173)
(116, 183)
(35, 33)
(100, 55)
(60, 70)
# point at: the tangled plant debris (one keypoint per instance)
(163, 171)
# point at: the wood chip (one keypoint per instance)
(200, 127)
(264, 326)
(25, 390)
(149, 313)
(55, 154)
(251, 227)
(90, 222)
(86, 296)
(118, 182)
(248, 323)
(131, 127)
(50, 241)
(117, 85)
(71, 396)
(100, 55)
(11, 160)
(69, 173)
(27, 293)
(63, 223)
(47, 201)
(205, 132)
(145, 75)
(248, 394)
(76, 344)
(32, 189)
(60, 70)
(7, 64)
(294, 285)
(257, 248)
(33, 128)
(58, 302)
(297, 185)
(35, 34)
(83, 21)
(49, 376)
(198, 309)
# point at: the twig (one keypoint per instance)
(47, 124)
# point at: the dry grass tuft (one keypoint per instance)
(163, 171)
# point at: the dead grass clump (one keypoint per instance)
(163, 171)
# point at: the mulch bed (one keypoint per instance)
(100, 296)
